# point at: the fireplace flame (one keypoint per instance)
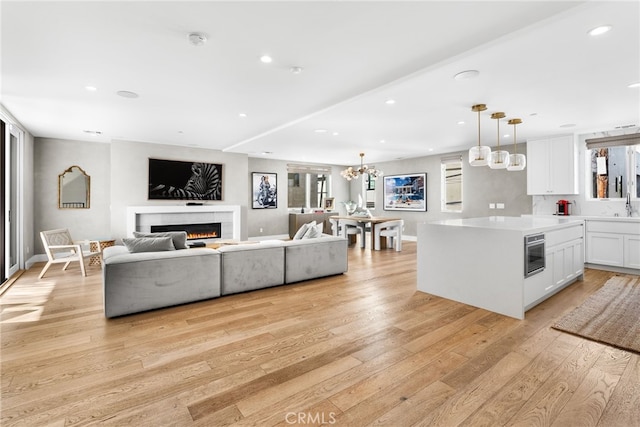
(212, 235)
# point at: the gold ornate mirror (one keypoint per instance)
(74, 187)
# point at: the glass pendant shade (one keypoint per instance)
(479, 155)
(517, 162)
(498, 159)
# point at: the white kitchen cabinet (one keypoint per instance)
(605, 249)
(613, 243)
(632, 251)
(552, 166)
(564, 263)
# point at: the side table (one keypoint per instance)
(98, 246)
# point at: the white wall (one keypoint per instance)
(130, 176)
(52, 157)
(481, 186)
(275, 222)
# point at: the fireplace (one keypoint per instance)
(141, 218)
(211, 230)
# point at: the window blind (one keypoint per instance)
(613, 141)
(313, 169)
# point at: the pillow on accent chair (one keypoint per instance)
(149, 244)
(179, 237)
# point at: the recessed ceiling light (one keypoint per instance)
(296, 70)
(93, 132)
(468, 74)
(197, 39)
(320, 131)
(430, 149)
(266, 153)
(127, 94)
(390, 101)
(599, 30)
(335, 134)
(242, 115)
(460, 123)
(266, 59)
(568, 125)
(91, 88)
(634, 85)
(382, 141)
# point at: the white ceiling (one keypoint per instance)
(535, 60)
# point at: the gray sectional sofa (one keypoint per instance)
(135, 282)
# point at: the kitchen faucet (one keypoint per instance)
(628, 205)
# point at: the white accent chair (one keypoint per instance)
(350, 226)
(390, 229)
(60, 248)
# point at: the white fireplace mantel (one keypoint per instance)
(139, 217)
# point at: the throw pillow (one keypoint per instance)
(302, 230)
(149, 244)
(313, 231)
(179, 237)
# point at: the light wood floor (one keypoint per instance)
(363, 348)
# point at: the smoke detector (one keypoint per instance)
(197, 39)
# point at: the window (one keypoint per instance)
(613, 170)
(451, 188)
(308, 186)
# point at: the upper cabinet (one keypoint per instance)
(552, 166)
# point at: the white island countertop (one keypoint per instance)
(525, 224)
(481, 261)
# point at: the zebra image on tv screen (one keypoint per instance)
(170, 179)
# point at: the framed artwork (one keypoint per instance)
(405, 192)
(171, 179)
(329, 204)
(264, 190)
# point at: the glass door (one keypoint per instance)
(9, 195)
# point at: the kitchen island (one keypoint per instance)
(481, 261)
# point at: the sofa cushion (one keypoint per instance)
(251, 266)
(307, 259)
(149, 280)
(149, 244)
(179, 237)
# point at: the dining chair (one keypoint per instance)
(390, 229)
(352, 227)
(60, 248)
(335, 227)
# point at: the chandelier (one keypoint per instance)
(351, 173)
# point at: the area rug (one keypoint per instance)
(610, 316)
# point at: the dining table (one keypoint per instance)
(371, 220)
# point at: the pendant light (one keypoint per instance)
(517, 162)
(479, 155)
(499, 159)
